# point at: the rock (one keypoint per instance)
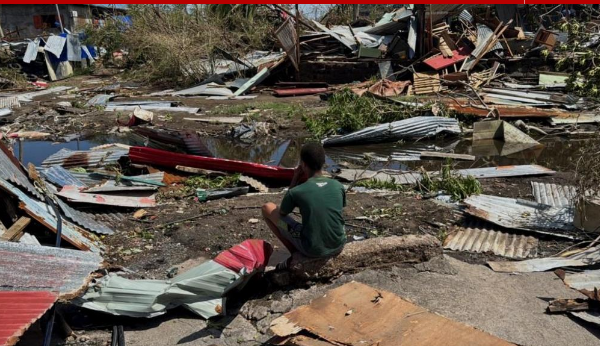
(370, 253)
(240, 332)
(436, 265)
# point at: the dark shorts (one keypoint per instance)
(291, 230)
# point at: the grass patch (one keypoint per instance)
(205, 182)
(349, 112)
(455, 185)
(377, 184)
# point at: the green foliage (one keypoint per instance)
(579, 60)
(349, 112)
(176, 44)
(457, 186)
(205, 182)
(380, 184)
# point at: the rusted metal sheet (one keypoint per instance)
(91, 158)
(19, 310)
(83, 219)
(299, 91)
(41, 268)
(287, 36)
(554, 195)
(522, 214)
(73, 194)
(509, 111)
(191, 141)
(505, 171)
(585, 258)
(10, 169)
(481, 237)
(356, 314)
(44, 214)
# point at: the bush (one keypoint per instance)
(349, 112)
(169, 43)
(457, 186)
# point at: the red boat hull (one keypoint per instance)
(149, 156)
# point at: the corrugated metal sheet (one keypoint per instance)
(83, 219)
(586, 280)
(441, 11)
(94, 179)
(5, 112)
(523, 215)
(44, 214)
(440, 62)
(412, 128)
(201, 289)
(10, 169)
(401, 177)
(287, 36)
(28, 97)
(505, 171)
(41, 268)
(483, 237)
(156, 157)
(10, 102)
(91, 158)
(60, 177)
(99, 100)
(348, 42)
(483, 34)
(73, 194)
(582, 259)
(466, 16)
(19, 310)
(554, 195)
(209, 89)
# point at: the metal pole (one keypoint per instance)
(298, 41)
(62, 29)
(20, 149)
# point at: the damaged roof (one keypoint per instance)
(10, 169)
(42, 213)
(26, 267)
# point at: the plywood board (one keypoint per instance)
(356, 314)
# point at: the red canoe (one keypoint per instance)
(149, 156)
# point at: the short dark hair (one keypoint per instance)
(313, 155)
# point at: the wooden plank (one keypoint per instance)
(440, 155)
(356, 314)
(15, 231)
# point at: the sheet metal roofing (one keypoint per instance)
(42, 213)
(10, 170)
(554, 195)
(19, 310)
(93, 158)
(26, 267)
(481, 237)
(522, 214)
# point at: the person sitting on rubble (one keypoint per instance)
(320, 200)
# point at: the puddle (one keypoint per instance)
(558, 154)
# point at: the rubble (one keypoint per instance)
(484, 88)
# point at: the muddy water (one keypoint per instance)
(557, 153)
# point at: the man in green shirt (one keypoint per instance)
(320, 200)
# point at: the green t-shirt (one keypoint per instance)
(320, 201)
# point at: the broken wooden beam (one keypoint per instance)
(564, 305)
(360, 255)
(440, 155)
(15, 232)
